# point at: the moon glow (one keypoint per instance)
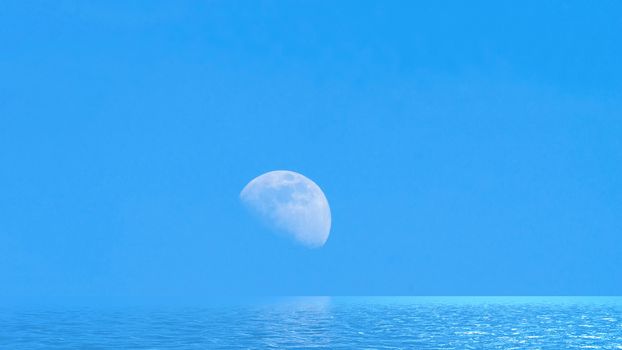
(292, 204)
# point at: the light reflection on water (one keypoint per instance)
(329, 323)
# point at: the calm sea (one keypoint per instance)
(328, 323)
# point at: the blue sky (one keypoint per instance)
(464, 149)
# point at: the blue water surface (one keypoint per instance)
(327, 323)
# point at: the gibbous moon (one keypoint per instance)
(290, 203)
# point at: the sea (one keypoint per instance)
(326, 323)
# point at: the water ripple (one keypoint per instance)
(330, 323)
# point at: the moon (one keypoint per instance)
(292, 204)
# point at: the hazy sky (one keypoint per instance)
(464, 150)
